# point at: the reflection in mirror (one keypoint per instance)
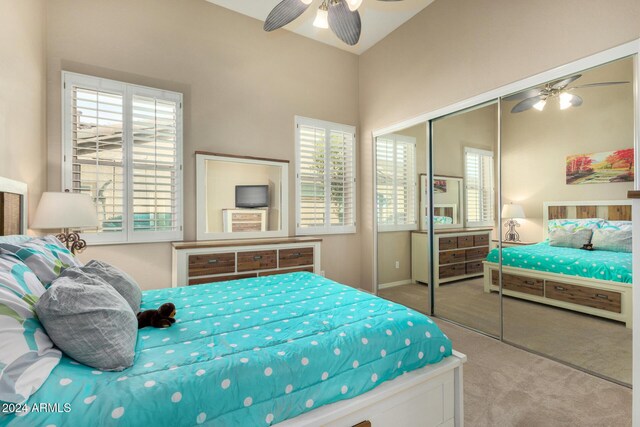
(240, 197)
(568, 166)
(464, 216)
(402, 258)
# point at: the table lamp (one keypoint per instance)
(511, 212)
(66, 211)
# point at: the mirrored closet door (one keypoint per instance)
(464, 153)
(566, 166)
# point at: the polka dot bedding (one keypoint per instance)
(248, 352)
(603, 265)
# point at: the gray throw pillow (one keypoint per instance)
(570, 239)
(89, 322)
(612, 240)
(121, 281)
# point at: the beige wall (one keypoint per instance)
(242, 88)
(22, 95)
(535, 145)
(456, 49)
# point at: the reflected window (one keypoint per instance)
(479, 187)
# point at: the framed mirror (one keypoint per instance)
(448, 204)
(240, 197)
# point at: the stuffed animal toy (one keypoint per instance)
(587, 246)
(163, 317)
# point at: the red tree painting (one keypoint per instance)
(600, 168)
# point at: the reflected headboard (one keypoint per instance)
(612, 210)
(13, 207)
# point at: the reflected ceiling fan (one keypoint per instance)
(341, 16)
(537, 97)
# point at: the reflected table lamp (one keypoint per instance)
(511, 212)
(66, 211)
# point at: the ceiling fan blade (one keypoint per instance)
(525, 105)
(562, 83)
(345, 23)
(599, 84)
(284, 12)
(389, 0)
(529, 93)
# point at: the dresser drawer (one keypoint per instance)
(256, 260)
(220, 278)
(202, 265)
(513, 282)
(465, 241)
(246, 226)
(449, 257)
(448, 242)
(474, 267)
(481, 240)
(290, 270)
(451, 271)
(476, 253)
(243, 216)
(295, 257)
(590, 297)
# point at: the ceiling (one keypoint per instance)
(379, 18)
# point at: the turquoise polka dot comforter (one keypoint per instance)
(250, 352)
(603, 265)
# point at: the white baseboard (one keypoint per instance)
(393, 284)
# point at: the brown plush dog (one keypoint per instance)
(163, 317)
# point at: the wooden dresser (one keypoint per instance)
(459, 253)
(201, 262)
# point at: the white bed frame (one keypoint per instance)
(427, 397)
(625, 289)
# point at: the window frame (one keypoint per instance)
(386, 228)
(486, 153)
(327, 228)
(128, 91)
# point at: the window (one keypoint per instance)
(325, 177)
(479, 187)
(123, 147)
(396, 182)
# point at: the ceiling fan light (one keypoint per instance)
(353, 4)
(306, 1)
(540, 104)
(322, 17)
(565, 100)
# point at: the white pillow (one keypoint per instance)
(575, 224)
(570, 239)
(609, 239)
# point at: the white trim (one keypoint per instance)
(327, 228)
(16, 187)
(394, 284)
(127, 91)
(201, 199)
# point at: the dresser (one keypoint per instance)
(459, 253)
(201, 262)
(235, 220)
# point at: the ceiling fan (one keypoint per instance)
(537, 97)
(341, 16)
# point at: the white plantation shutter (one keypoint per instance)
(396, 182)
(122, 145)
(325, 177)
(479, 187)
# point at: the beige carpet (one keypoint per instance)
(590, 342)
(506, 386)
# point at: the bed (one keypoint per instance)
(593, 282)
(290, 350)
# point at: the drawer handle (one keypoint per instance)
(559, 288)
(212, 261)
(603, 296)
(257, 257)
(529, 282)
(297, 254)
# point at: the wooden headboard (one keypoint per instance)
(13, 207)
(613, 210)
(446, 209)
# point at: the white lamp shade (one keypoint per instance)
(512, 211)
(65, 210)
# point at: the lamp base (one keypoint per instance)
(72, 241)
(512, 235)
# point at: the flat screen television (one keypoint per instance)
(252, 196)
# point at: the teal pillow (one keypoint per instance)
(45, 256)
(575, 224)
(27, 355)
